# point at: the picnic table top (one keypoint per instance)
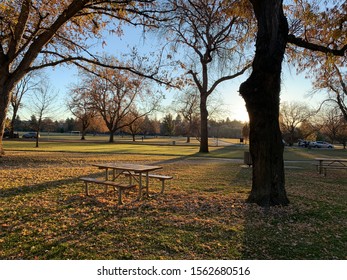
(331, 159)
(137, 168)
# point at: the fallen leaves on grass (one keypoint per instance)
(202, 214)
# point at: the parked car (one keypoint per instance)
(7, 134)
(30, 135)
(303, 143)
(321, 144)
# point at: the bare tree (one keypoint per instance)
(80, 105)
(27, 84)
(308, 128)
(342, 133)
(332, 79)
(135, 127)
(42, 105)
(214, 35)
(292, 115)
(333, 123)
(187, 104)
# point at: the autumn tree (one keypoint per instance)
(323, 26)
(119, 97)
(39, 34)
(97, 125)
(261, 92)
(213, 34)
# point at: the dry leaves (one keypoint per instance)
(202, 215)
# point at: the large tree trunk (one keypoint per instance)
(261, 93)
(203, 124)
(85, 125)
(3, 111)
(111, 138)
(5, 96)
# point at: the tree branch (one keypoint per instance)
(314, 47)
(196, 80)
(77, 59)
(19, 29)
(230, 77)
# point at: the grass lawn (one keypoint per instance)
(157, 146)
(202, 215)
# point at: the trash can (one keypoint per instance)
(247, 159)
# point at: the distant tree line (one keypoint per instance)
(169, 125)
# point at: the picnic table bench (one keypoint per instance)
(160, 177)
(120, 187)
(330, 163)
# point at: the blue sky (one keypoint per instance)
(294, 87)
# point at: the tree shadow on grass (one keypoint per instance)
(194, 220)
(160, 228)
(41, 187)
(310, 227)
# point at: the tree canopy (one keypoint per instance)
(318, 45)
(214, 35)
(39, 34)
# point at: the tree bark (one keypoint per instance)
(6, 85)
(203, 124)
(13, 120)
(111, 138)
(261, 93)
(85, 125)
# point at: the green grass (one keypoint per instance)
(157, 146)
(202, 214)
(160, 147)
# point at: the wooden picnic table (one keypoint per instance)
(138, 172)
(330, 163)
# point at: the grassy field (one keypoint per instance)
(227, 148)
(202, 215)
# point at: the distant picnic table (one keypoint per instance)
(330, 163)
